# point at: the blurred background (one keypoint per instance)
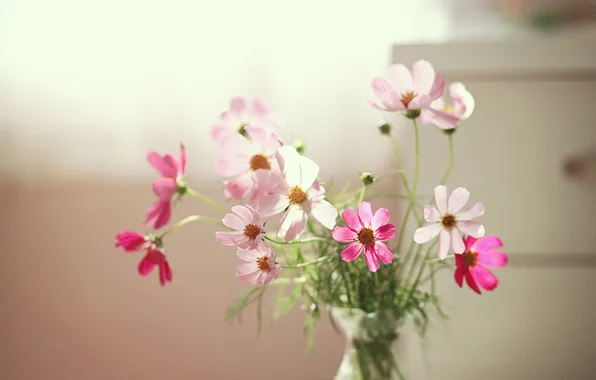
(88, 87)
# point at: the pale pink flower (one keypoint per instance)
(246, 222)
(156, 257)
(448, 116)
(260, 268)
(165, 188)
(131, 241)
(404, 90)
(448, 219)
(366, 231)
(240, 158)
(473, 263)
(240, 114)
(297, 192)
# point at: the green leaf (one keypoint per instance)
(260, 311)
(236, 308)
(310, 323)
(284, 304)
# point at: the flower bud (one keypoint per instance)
(412, 114)
(449, 132)
(367, 178)
(299, 145)
(385, 129)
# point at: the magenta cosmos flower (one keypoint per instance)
(404, 90)
(172, 170)
(240, 114)
(248, 228)
(366, 231)
(134, 242)
(448, 219)
(240, 158)
(260, 266)
(473, 264)
(297, 192)
(448, 116)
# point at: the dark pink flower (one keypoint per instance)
(366, 231)
(166, 186)
(131, 241)
(473, 264)
(156, 257)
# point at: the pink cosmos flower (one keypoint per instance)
(404, 90)
(297, 192)
(165, 187)
(473, 263)
(448, 116)
(156, 257)
(448, 219)
(240, 158)
(260, 267)
(131, 241)
(241, 114)
(366, 231)
(249, 230)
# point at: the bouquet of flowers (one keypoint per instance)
(328, 249)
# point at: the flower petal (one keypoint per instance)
(380, 218)
(146, 265)
(182, 159)
(259, 108)
(270, 181)
(161, 165)
(351, 251)
(371, 258)
(165, 273)
(459, 275)
(423, 75)
(234, 221)
(484, 277)
(159, 214)
(237, 106)
(471, 212)
(365, 213)
(292, 223)
(390, 100)
(441, 198)
(244, 213)
(492, 259)
(350, 216)
(432, 214)
(457, 242)
(400, 79)
(239, 187)
(308, 172)
(229, 238)
(343, 234)
(290, 160)
(324, 212)
(438, 87)
(440, 119)
(250, 255)
(426, 233)
(472, 282)
(471, 228)
(383, 253)
(487, 243)
(444, 244)
(164, 188)
(457, 200)
(469, 241)
(385, 232)
(130, 241)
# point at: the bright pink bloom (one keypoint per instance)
(448, 116)
(156, 257)
(240, 114)
(240, 158)
(366, 231)
(297, 192)
(260, 267)
(404, 90)
(448, 219)
(131, 241)
(165, 188)
(473, 263)
(249, 230)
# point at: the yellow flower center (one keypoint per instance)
(448, 108)
(263, 264)
(448, 222)
(470, 258)
(297, 195)
(366, 236)
(251, 231)
(407, 97)
(258, 161)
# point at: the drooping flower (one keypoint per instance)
(240, 158)
(473, 264)
(249, 230)
(448, 219)
(366, 231)
(131, 241)
(240, 114)
(156, 257)
(448, 116)
(408, 91)
(166, 186)
(297, 192)
(260, 266)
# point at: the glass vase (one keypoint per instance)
(371, 345)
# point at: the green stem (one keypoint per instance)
(209, 201)
(308, 240)
(451, 161)
(190, 219)
(317, 261)
(361, 196)
(421, 270)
